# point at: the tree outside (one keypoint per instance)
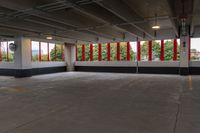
(44, 57)
(59, 53)
(4, 57)
(168, 51)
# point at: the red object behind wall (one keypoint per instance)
(128, 51)
(162, 50)
(55, 53)
(99, 52)
(7, 54)
(108, 49)
(48, 55)
(91, 52)
(118, 51)
(40, 51)
(0, 54)
(83, 52)
(189, 50)
(175, 50)
(138, 51)
(150, 50)
(76, 53)
(63, 55)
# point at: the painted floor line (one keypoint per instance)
(190, 82)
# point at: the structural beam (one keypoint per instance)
(59, 22)
(99, 16)
(122, 11)
(195, 18)
(170, 8)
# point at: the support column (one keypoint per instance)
(99, 52)
(108, 48)
(76, 53)
(55, 55)
(175, 50)
(0, 53)
(128, 51)
(23, 64)
(48, 54)
(138, 51)
(91, 52)
(162, 54)
(7, 51)
(118, 51)
(150, 50)
(189, 48)
(70, 55)
(184, 59)
(83, 52)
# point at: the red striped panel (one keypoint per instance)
(162, 51)
(150, 50)
(138, 51)
(99, 52)
(83, 52)
(91, 52)
(128, 51)
(118, 51)
(108, 49)
(175, 50)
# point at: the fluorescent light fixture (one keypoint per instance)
(49, 37)
(156, 27)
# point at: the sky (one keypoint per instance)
(195, 43)
(43, 46)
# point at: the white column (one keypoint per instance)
(70, 55)
(23, 57)
(184, 51)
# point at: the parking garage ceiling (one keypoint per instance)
(98, 20)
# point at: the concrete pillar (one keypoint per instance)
(70, 55)
(23, 57)
(184, 51)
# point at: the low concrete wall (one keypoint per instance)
(10, 69)
(194, 64)
(129, 64)
(157, 67)
(47, 64)
(106, 63)
(7, 65)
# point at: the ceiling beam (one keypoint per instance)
(170, 8)
(69, 23)
(63, 28)
(195, 18)
(31, 29)
(99, 16)
(122, 11)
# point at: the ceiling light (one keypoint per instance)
(49, 37)
(156, 26)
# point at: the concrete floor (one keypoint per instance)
(100, 103)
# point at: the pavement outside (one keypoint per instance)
(78, 102)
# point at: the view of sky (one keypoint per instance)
(195, 44)
(35, 46)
